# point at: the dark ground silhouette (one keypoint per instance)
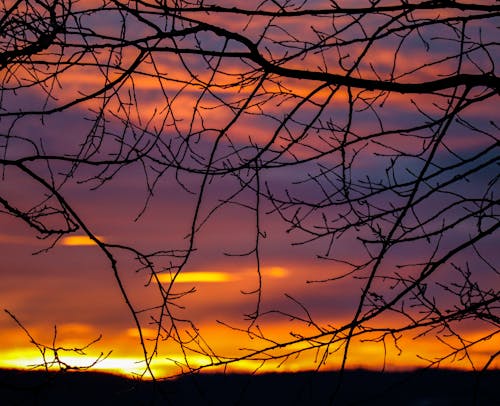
(423, 387)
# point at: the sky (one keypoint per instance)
(64, 291)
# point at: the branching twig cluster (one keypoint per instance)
(366, 129)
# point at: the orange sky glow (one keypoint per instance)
(74, 295)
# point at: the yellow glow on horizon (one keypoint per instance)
(79, 240)
(29, 358)
(367, 355)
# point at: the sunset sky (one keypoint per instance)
(72, 285)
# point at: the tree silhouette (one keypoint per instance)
(365, 127)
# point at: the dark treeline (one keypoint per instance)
(360, 387)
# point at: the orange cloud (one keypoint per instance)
(14, 239)
(192, 277)
(79, 240)
(217, 277)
